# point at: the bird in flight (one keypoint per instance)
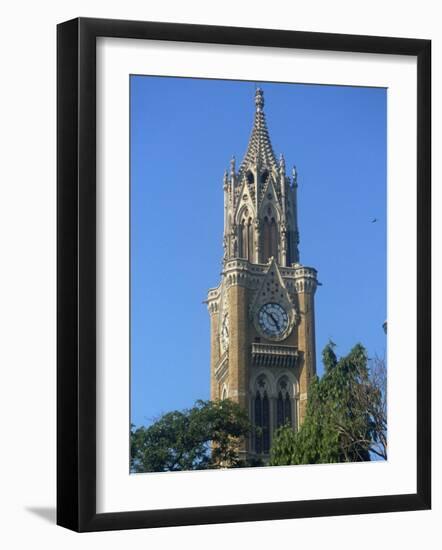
(374, 220)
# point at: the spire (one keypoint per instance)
(259, 148)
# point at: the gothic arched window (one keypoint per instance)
(242, 241)
(264, 176)
(289, 246)
(265, 240)
(245, 239)
(262, 423)
(258, 423)
(283, 410)
(249, 240)
(273, 239)
(262, 417)
(284, 405)
(269, 238)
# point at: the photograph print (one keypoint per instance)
(258, 269)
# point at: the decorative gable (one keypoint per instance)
(245, 206)
(274, 291)
(269, 199)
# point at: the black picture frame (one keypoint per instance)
(77, 287)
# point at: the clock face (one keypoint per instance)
(273, 320)
(225, 333)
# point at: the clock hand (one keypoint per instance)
(275, 322)
(270, 318)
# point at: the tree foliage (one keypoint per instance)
(373, 396)
(204, 436)
(345, 418)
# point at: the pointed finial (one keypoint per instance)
(295, 176)
(259, 99)
(232, 166)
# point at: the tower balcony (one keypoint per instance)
(274, 355)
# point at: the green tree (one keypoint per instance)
(204, 436)
(373, 396)
(340, 423)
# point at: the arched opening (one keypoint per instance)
(273, 239)
(283, 410)
(250, 177)
(289, 247)
(264, 176)
(261, 416)
(242, 240)
(262, 423)
(249, 240)
(269, 242)
(265, 240)
(245, 238)
(284, 414)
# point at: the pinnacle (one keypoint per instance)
(259, 99)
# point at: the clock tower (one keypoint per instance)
(262, 312)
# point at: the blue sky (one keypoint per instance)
(183, 134)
